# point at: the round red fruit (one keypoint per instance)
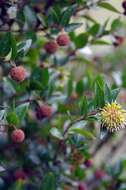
(18, 73)
(51, 47)
(20, 174)
(99, 174)
(44, 111)
(124, 4)
(88, 163)
(63, 40)
(18, 136)
(82, 186)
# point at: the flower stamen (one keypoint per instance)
(113, 117)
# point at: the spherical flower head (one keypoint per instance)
(18, 136)
(51, 47)
(18, 73)
(113, 117)
(63, 40)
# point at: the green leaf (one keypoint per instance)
(30, 16)
(111, 95)
(39, 78)
(79, 173)
(103, 133)
(81, 40)
(56, 133)
(24, 47)
(99, 92)
(19, 185)
(83, 132)
(108, 6)
(116, 24)
(12, 118)
(84, 106)
(70, 87)
(5, 44)
(21, 110)
(66, 15)
(49, 182)
(114, 93)
(13, 48)
(94, 29)
(108, 97)
(100, 79)
(100, 42)
(80, 87)
(54, 16)
(2, 114)
(72, 26)
(90, 18)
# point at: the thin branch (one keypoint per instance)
(69, 126)
(78, 120)
(23, 31)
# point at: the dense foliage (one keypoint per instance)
(53, 86)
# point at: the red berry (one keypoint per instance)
(118, 40)
(20, 174)
(18, 136)
(44, 111)
(63, 40)
(82, 186)
(51, 47)
(99, 174)
(124, 4)
(88, 163)
(18, 73)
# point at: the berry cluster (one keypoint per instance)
(52, 46)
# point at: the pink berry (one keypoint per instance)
(44, 111)
(18, 73)
(99, 174)
(20, 174)
(88, 163)
(118, 40)
(18, 136)
(63, 40)
(124, 4)
(51, 47)
(82, 186)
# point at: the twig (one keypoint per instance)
(69, 126)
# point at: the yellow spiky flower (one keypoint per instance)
(113, 117)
